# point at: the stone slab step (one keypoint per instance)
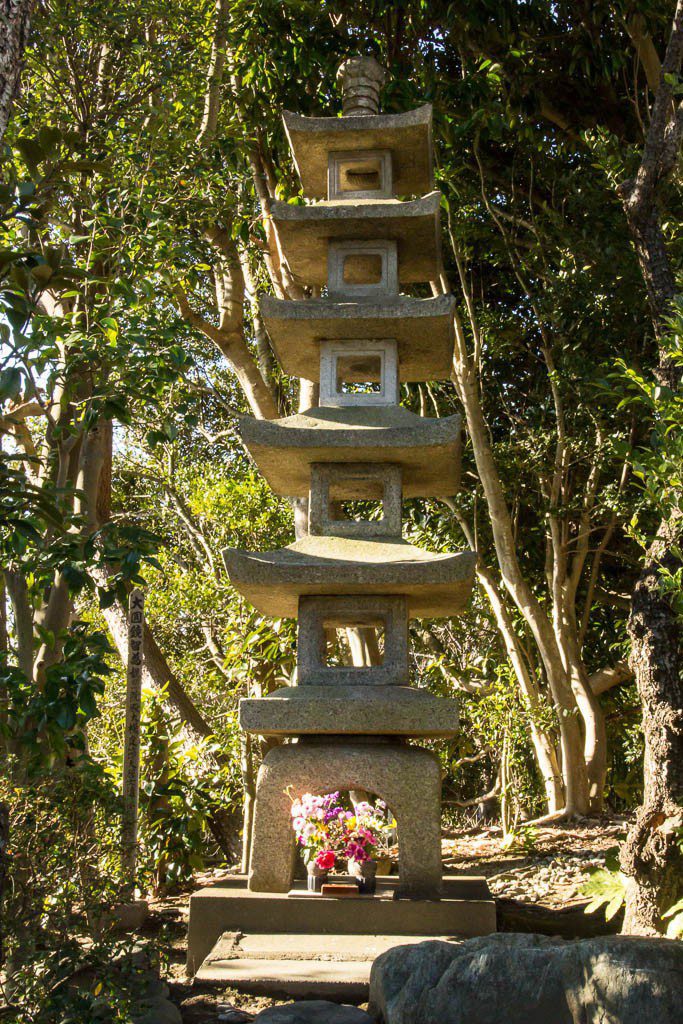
(347, 981)
(335, 966)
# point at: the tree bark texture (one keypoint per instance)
(15, 18)
(651, 857)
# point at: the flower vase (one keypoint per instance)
(316, 876)
(365, 872)
(383, 865)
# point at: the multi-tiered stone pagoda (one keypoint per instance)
(372, 232)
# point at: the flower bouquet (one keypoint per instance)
(368, 835)
(327, 833)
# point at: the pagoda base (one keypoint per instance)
(406, 778)
(466, 909)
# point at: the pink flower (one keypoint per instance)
(355, 851)
(325, 860)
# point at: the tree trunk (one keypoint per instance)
(159, 807)
(157, 673)
(571, 741)
(15, 18)
(651, 857)
(594, 730)
(544, 748)
(23, 620)
(249, 786)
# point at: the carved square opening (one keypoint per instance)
(360, 175)
(342, 646)
(362, 269)
(361, 500)
(359, 373)
(338, 636)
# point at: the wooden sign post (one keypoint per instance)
(131, 741)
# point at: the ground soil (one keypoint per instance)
(543, 872)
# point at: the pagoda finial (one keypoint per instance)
(361, 79)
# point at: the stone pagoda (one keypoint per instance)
(371, 233)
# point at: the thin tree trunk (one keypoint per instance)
(212, 95)
(159, 806)
(595, 732)
(571, 741)
(249, 786)
(544, 747)
(157, 674)
(23, 620)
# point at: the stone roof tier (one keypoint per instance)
(408, 137)
(427, 450)
(434, 586)
(305, 231)
(422, 328)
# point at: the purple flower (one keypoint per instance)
(356, 851)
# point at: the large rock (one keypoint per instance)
(313, 1011)
(530, 979)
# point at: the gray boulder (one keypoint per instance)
(530, 979)
(313, 1011)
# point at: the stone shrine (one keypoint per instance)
(372, 230)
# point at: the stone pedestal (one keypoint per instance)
(408, 779)
(297, 917)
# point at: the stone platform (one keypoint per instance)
(352, 710)
(466, 909)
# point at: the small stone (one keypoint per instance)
(158, 1011)
(232, 1015)
(130, 917)
(313, 1011)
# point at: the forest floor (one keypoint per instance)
(546, 876)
